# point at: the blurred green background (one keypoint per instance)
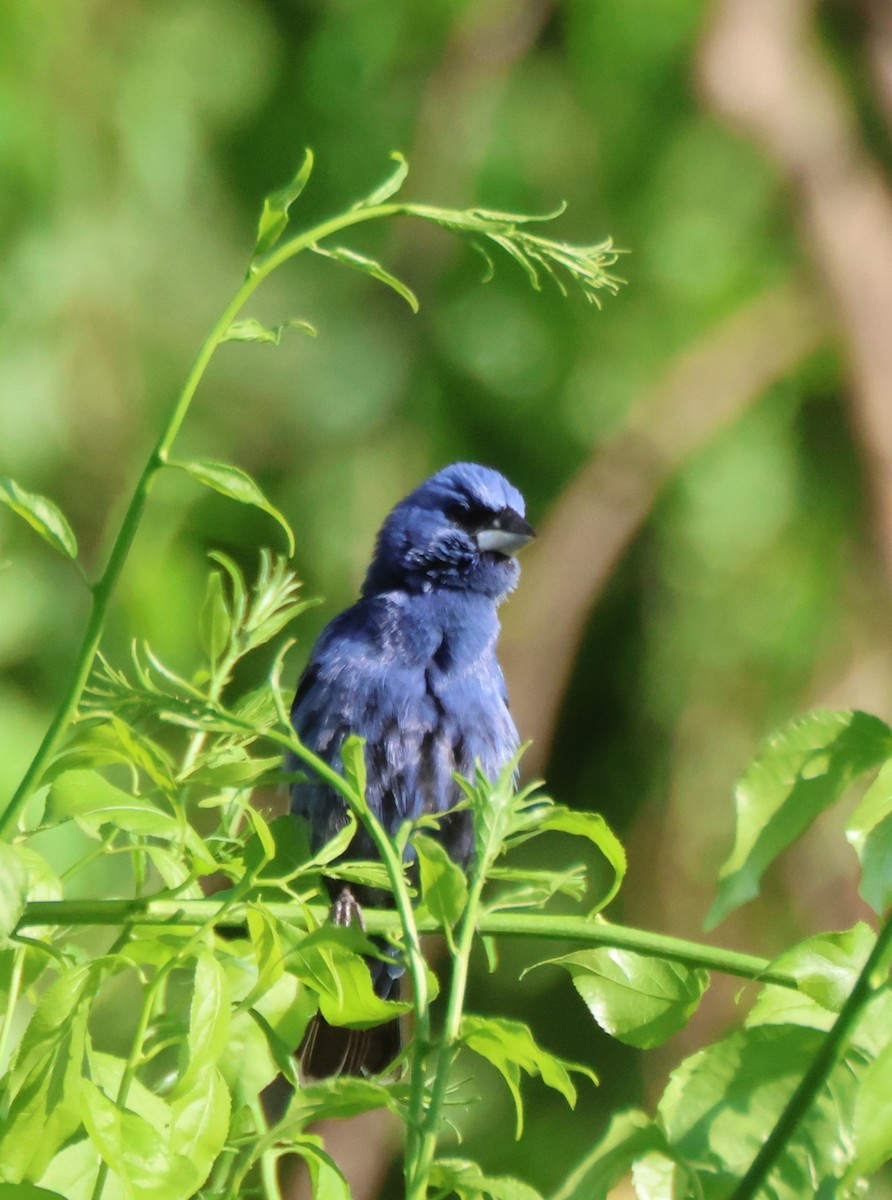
(705, 457)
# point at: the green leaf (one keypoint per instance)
(870, 832)
(92, 801)
(799, 772)
(237, 485)
(444, 889)
(199, 1127)
(274, 215)
(369, 266)
(13, 889)
(134, 1148)
(268, 953)
(635, 998)
(721, 1103)
(353, 758)
(328, 961)
(511, 1048)
(249, 329)
(344, 1096)
(208, 1022)
(27, 1191)
(215, 620)
(282, 1053)
(466, 1180)
(73, 1172)
(592, 826)
(655, 1176)
(629, 1136)
(41, 514)
(43, 1087)
(391, 184)
(828, 965)
(873, 1118)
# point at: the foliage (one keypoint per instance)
(165, 771)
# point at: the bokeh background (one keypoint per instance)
(708, 458)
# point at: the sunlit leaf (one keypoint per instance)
(329, 961)
(208, 1022)
(41, 514)
(635, 998)
(43, 1088)
(369, 266)
(873, 1117)
(93, 802)
(13, 889)
(799, 772)
(274, 215)
(237, 485)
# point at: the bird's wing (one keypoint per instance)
(361, 680)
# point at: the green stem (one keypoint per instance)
(104, 588)
(387, 923)
(816, 1076)
(419, 1167)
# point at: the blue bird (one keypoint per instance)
(411, 667)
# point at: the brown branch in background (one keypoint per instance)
(604, 506)
(762, 68)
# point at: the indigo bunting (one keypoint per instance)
(411, 667)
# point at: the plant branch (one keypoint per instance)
(388, 923)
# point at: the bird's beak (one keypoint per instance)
(508, 534)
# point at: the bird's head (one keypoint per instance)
(459, 529)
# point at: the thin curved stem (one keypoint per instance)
(104, 588)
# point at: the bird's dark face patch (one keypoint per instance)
(459, 529)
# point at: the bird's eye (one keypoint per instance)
(462, 515)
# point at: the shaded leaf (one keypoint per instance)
(41, 514)
(595, 829)
(237, 485)
(635, 998)
(27, 1191)
(444, 889)
(511, 1048)
(92, 801)
(721, 1103)
(799, 772)
(468, 1182)
(391, 184)
(274, 214)
(629, 1136)
(249, 329)
(870, 832)
(215, 621)
(369, 266)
